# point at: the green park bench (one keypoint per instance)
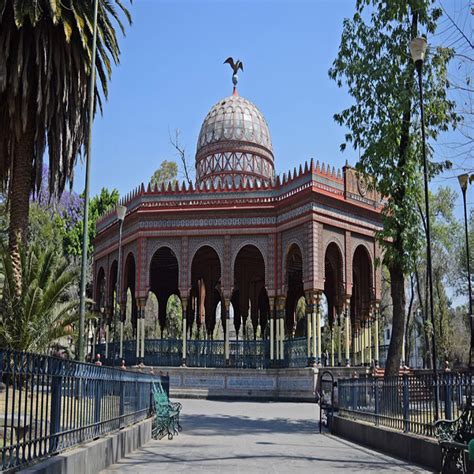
(456, 438)
(166, 420)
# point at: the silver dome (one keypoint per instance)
(234, 143)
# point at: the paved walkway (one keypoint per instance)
(246, 437)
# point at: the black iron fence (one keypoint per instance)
(48, 404)
(405, 403)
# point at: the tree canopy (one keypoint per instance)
(383, 123)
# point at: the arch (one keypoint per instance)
(261, 247)
(294, 242)
(196, 245)
(163, 279)
(249, 280)
(205, 287)
(294, 286)
(363, 284)
(333, 280)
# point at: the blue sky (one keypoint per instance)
(172, 72)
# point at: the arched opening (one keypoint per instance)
(294, 282)
(205, 292)
(128, 289)
(362, 287)
(164, 275)
(333, 282)
(249, 281)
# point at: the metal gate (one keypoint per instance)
(326, 400)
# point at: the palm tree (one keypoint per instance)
(44, 311)
(45, 65)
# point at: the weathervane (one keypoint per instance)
(235, 68)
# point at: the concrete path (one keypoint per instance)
(248, 437)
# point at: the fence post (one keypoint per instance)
(406, 404)
(122, 399)
(97, 403)
(55, 422)
(448, 414)
(376, 398)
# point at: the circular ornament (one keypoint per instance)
(362, 185)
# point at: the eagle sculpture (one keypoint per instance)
(235, 68)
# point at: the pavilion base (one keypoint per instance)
(263, 384)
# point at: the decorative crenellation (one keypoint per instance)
(316, 175)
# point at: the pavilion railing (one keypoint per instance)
(48, 404)
(405, 403)
(246, 354)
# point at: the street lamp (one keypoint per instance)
(120, 211)
(463, 181)
(418, 50)
(85, 232)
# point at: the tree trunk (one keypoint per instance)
(407, 324)
(397, 290)
(19, 198)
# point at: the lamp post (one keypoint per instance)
(85, 233)
(463, 181)
(418, 50)
(121, 211)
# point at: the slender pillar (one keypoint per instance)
(403, 352)
(362, 345)
(272, 330)
(282, 337)
(226, 334)
(339, 340)
(318, 326)
(138, 336)
(348, 325)
(376, 334)
(309, 308)
(107, 340)
(369, 338)
(314, 333)
(142, 348)
(184, 303)
(277, 336)
(332, 346)
(123, 307)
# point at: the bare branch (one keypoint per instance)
(181, 153)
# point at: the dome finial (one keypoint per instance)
(235, 68)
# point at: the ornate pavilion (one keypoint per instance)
(246, 242)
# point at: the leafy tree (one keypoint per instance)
(166, 173)
(98, 205)
(45, 67)
(43, 312)
(374, 62)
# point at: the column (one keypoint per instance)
(277, 334)
(369, 338)
(226, 334)
(138, 328)
(339, 340)
(314, 333)
(362, 341)
(282, 326)
(332, 345)
(376, 334)
(272, 329)
(107, 340)
(142, 348)
(318, 326)
(348, 325)
(184, 302)
(308, 330)
(123, 307)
